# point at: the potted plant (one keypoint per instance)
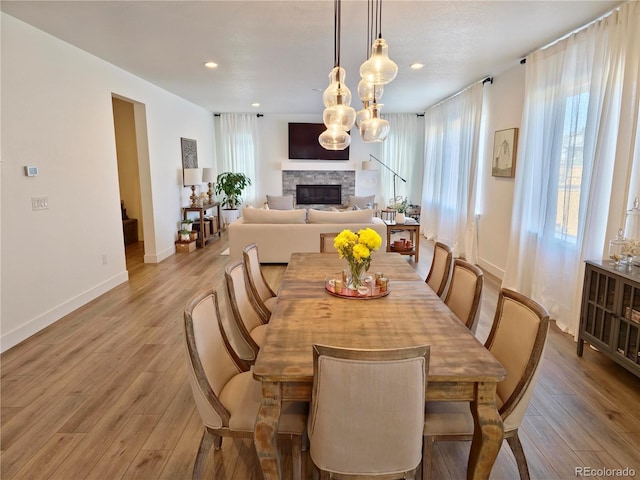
(187, 224)
(185, 236)
(401, 207)
(231, 185)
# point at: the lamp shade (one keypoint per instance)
(208, 175)
(369, 165)
(192, 176)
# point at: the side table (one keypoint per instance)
(201, 210)
(414, 236)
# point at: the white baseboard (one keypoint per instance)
(31, 327)
(491, 268)
(158, 257)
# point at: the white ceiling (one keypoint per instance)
(279, 53)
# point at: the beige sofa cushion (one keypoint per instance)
(361, 202)
(355, 216)
(282, 202)
(258, 215)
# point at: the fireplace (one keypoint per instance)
(318, 194)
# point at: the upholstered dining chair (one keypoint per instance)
(463, 296)
(517, 340)
(263, 296)
(226, 395)
(438, 275)
(245, 321)
(326, 242)
(367, 411)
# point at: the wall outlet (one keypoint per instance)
(39, 203)
(104, 258)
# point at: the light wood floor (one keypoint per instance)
(103, 393)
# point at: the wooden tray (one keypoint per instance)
(353, 294)
(402, 250)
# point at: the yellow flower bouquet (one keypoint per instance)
(356, 248)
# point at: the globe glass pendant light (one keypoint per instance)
(375, 129)
(368, 91)
(336, 86)
(334, 139)
(379, 69)
(364, 114)
(339, 116)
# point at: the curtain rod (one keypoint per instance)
(257, 115)
(573, 32)
(484, 80)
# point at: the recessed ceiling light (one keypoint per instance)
(211, 65)
(255, 104)
(417, 66)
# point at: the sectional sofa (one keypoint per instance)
(279, 233)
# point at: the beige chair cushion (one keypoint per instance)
(258, 215)
(356, 216)
(249, 316)
(513, 343)
(252, 264)
(280, 202)
(270, 303)
(258, 334)
(461, 293)
(359, 424)
(242, 396)
(438, 269)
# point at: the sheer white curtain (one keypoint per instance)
(402, 152)
(578, 134)
(452, 135)
(239, 146)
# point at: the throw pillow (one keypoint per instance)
(353, 216)
(280, 202)
(361, 202)
(258, 215)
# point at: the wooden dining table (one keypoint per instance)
(460, 369)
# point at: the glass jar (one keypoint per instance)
(632, 221)
(617, 247)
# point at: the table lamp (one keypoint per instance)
(193, 177)
(209, 177)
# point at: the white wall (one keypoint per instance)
(273, 151)
(57, 114)
(502, 109)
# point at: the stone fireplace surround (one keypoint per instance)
(346, 178)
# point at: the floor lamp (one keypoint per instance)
(395, 175)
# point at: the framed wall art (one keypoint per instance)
(189, 153)
(505, 144)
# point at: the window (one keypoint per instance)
(570, 168)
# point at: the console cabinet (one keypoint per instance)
(610, 315)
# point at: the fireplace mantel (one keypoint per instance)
(322, 165)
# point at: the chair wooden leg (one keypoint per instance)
(207, 440)
(217, 442)
(518, 452)
(296, 457)
(427, 457)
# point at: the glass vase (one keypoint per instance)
(357, 271)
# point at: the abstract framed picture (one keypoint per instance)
(189, 154)
(505, 144)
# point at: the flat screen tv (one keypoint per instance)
(304, 145)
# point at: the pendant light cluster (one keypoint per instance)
(377, 71)
(338, 115)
